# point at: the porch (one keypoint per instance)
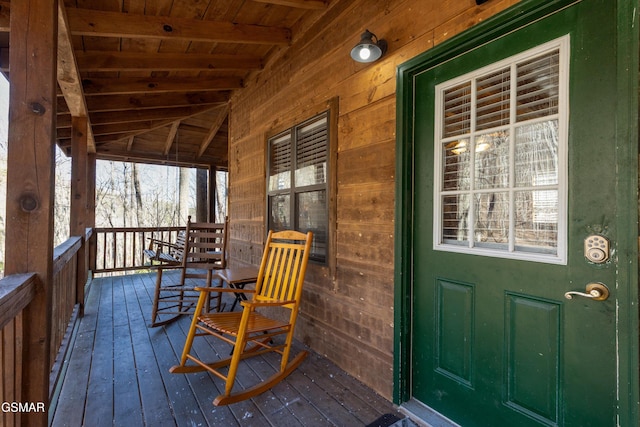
(117, 373)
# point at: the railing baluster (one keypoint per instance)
(114, 249)
(120, 249)
(124, 248)
(104, 251)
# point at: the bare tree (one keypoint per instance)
(62, 202)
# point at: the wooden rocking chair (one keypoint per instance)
(166, 253)
(205, 247)
(279, 284)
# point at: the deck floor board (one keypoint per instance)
(119, 374)
(100, 404)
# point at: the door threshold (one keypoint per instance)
(424, 415)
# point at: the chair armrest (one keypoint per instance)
(159, 242)
(220, 289)
(267, 303)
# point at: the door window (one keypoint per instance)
(501, 143)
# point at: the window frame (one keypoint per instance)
(560, 257)
(329, 111)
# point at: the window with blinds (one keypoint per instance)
(500, 163)
(297, 184)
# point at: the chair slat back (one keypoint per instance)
(206, 245)
(177, 251)
(283, 266)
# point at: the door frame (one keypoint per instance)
(524, 12)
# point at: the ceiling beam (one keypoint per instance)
(138, 115)
(69, 76)
(118, 128)
(98, 102)
(300, 4)
(154, 85)
(132, 128)
(86, 22)
(103, 61)
(219, 118)
(158, 159)
(126, 131)
(193, 128)
(117, 151)
(171, 137)
(139, 61)
(4, 16)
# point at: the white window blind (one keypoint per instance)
(300, 201)
(280, 163)
(311, 153)
(501, 161)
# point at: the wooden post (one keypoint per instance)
(213, 199)
(79, 184)
(91, 207)
(30, 183)
(202, 199)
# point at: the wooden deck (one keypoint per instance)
(118, 375)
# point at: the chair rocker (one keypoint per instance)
(204, 253)
(279, 284)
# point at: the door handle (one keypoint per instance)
(596, 291)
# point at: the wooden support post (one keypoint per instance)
(91, 208)
(213, 199)
(30, 184)
(202, 196)
(79, 197)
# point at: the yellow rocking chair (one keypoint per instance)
(279, 284)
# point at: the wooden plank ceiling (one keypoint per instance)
(154, 77)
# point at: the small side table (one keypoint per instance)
(238, 278)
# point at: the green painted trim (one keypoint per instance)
(403, 240)
(627, 127)
(508, 20)
(627, 195)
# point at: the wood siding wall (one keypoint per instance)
(347, 314)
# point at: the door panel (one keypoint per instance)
(494, 341)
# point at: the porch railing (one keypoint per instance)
(108, 250)
(120, 249)
(16, 293)
(64, 289)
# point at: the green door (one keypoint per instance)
(518, 196)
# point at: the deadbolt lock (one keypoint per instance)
(596, 248)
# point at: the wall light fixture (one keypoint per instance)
(367, 50)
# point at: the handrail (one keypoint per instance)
(120, 249)
(66, 281)
(63, 253)
(16, 292)
(142, 229)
